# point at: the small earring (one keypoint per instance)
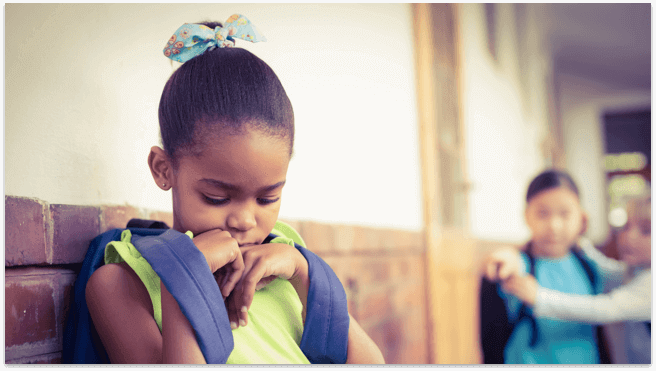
(163, 184)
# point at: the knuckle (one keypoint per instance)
(250, 280)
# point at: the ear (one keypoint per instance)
(526, 214)
(161, 168)
(584, 223)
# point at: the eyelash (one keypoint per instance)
(223, 201)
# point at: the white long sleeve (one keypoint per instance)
(613, 271)
(630, 302)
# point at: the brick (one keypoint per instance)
(381, 269)
(414, 352)
(116, 216)
(376, 334)
(344, 237)
(370, 271)
(318, 237)
(400, 268)
(393, 339)
(360, 238)
(73, 228)
(50, 358)
(163, 217)
(386, 239)
(29, 310)
(66, 286)
(406, 297)
(375, 306)
(407, 239)
(25, 231)
(367, 239)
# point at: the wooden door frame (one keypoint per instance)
(437, 237)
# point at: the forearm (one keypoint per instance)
(627, 303)
(301, 283)
(179, 344)
(361, 349)
(612, 270)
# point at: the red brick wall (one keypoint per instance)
(382, 271)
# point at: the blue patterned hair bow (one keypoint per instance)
(192, 40)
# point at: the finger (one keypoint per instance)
(506, 285)
(492, 270)
(488, 270)
(233, 315)
(234, 274)
(219, 277)
(252, 275)
(264, 282)
(504, 271)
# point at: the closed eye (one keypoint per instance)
(267, 201)
(216, 201)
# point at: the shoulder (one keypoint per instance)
(122, 314)
(643, 277)
(114, 283)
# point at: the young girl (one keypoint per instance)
(556, 220)
(227, 129)
(630, 302)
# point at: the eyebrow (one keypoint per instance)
(231, 187)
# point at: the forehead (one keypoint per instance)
(248, 160)
(639, 210)
(555, 197)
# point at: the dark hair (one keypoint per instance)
(223, 88)
(550, 179)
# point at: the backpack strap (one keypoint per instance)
(325, 333)
(604, 356)
(648, 326)
(592, 276)
(146, 223)
(524, 312)
(185, 273)
(494, 327)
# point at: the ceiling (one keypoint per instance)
(610, 43)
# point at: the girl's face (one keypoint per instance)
(555, 219)
(235, 185)
(634, 240)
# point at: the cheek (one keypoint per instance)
(645, 246)
(576, 225)
(267, 217)
(198, 216)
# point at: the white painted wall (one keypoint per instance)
(583, 103)
(83, 84)
(505, 125)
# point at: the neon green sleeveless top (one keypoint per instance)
(275, 325)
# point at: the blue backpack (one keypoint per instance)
(325, 334)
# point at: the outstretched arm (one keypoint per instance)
(611, 270)
(630, 302)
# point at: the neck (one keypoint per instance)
(540, 252)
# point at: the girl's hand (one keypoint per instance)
(523, 287)
(263, 264)
(223, 256)
(503, 263)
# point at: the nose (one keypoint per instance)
(241, 218)
(630, 234)
(555, 224)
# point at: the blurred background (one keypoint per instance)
(418, 127)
